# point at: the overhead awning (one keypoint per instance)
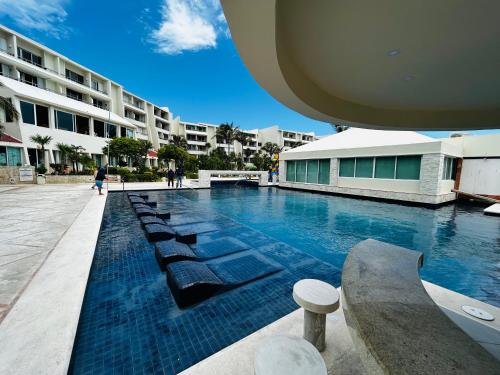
(51, 98)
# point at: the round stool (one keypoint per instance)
(318, 299)
(288, 355)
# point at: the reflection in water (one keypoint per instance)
(461, 246)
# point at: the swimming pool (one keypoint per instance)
(130, 322)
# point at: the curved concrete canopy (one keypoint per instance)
(386, 64)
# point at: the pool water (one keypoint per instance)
(461, 245)
(130, 323)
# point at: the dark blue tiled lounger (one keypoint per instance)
(185, 236)
(157, 232)
(172, 251)
(145, 220)
(191, 282)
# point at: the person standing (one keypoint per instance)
(179, 173)
(99, 179)
(170, 177)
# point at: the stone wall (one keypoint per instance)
(75, 179)
(6, 173)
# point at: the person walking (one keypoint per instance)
(99, 179)
(170, 177)
(179, 173)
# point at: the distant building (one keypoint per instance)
(58, 97)
(395, 165)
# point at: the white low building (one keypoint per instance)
(392, 165)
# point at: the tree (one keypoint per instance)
(261, 161)
(248, 152)
(179, 141)
(65, 150)
(8, 108)
(172, 152)
(242, 139)
(298, 144)
(42, 141)
(271, 148)
(76, 156)
(124, 148)
(227, 133)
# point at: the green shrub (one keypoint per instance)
(192, 175)
(112, 170)
(41, 169)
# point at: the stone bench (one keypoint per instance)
(395, 324)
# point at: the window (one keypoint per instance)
(364, 167)
(3, 156)
(408, 167)
(111, 131)
(10, 156)
(74, 94)
(29, 79)
(385, 167)
(98, 160)
(64, 121)
(130, 133)
(312, 171)
(300, 171)
(74, 76)
(82, 125)
(95, 85)
(347, 167)
(449, 167)
(42, 116)
(99, 129)
(324, 172)
(98, 103)
(28, 56)
(123, 132)
(28, 112)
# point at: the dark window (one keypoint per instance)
(3, 156)
(29, 56)
(64, 121)
(29, 79)
(82, 124)
(111, 131)
(408, 167)
(74, 94)
(74, 76)
(346, 167)
(99, 128)
(123, 132)
(28, 113)
(42, 116)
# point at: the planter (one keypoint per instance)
(40, 179)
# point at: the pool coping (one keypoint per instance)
(38, 334)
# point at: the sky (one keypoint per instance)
(174, 53)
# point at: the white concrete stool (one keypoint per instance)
(288, 355)
(318, 299)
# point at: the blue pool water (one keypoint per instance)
(130, 323)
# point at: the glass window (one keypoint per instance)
(130, 133)
(82, 124)
(384, 167)
(290, 170)
(64, 121)
(13, 156)
(364, 167)
(74, 94)
(123, 132)
(449, 168)
(99, 128)
(111, 131)
(312, 171)
(346, 167)
(3, 156)
(408, 167)
(98, 160)
(28, 113)
(42, 116)
(324, 171)
(300, 171)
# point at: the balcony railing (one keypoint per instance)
(132, 103)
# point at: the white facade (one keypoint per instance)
(50, 89)
(360, 163)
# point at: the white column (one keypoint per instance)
(91, 126)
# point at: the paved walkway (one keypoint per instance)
(32, 221)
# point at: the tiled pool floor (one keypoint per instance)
(130, 323)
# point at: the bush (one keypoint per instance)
(41, 169)
(112, 170)
(192, 175)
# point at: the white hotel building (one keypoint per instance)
(74, 105)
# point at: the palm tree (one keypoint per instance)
(247, 152)
(42, 141)
(179, 141)
(242, 139)
(8, 108)
(271, 148)
(227, 133)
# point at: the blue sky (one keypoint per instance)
(176, 53)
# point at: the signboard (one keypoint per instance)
(25, 174)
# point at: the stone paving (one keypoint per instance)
(32, 221)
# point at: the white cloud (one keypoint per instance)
(42, 15)
(189, 25)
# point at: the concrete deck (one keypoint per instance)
(116, 186)
(33, 218)
(50, 232)
(493, 210)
